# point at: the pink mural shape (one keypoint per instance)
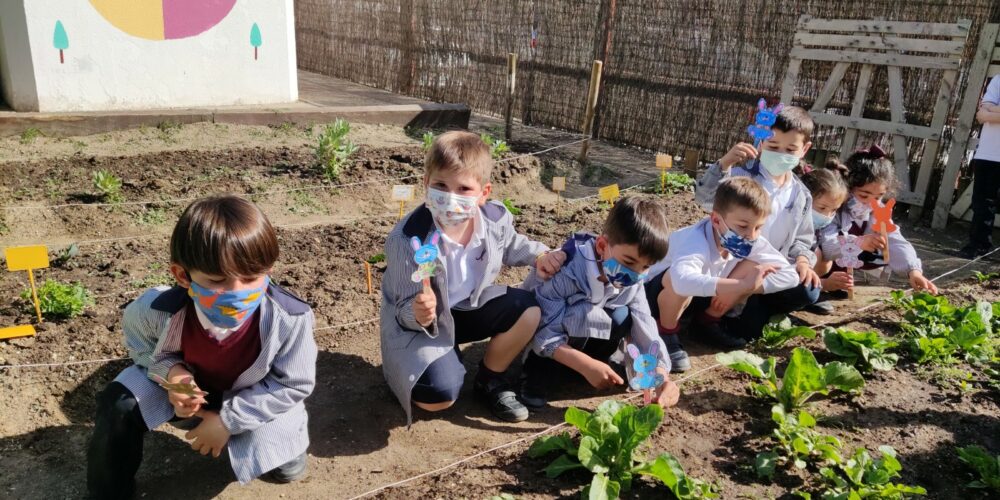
(185, 18)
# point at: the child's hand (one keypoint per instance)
(839, 280)
(667, 394)
(185, 406)
(602, 376)
(425, 306)
(871, 242)
(807, 276)
(919, 283)
(210, 435)
(739, 153)
(755, 279)
(549, 263)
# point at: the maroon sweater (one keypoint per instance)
(217, 365)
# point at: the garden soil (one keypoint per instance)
(360, 440)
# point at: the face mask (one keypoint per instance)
(778, 163)
(450, 209)
(858, 210)
(820, 221)
(227, 309)
(737, 245)
(619, 275)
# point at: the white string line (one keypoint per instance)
(266, 193)
(506, 445)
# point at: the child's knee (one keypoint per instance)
(531, 317)
(116, 402)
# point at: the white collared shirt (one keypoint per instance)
(779, 223)
(465, 264)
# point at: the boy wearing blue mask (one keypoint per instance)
(226, 353)
(426, 316)
(596, 302)
(789, 226)
(721, 262)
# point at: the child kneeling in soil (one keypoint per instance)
(829, 192)
(235, 350)
(870, 176)
(719, 264)
(449, 299)
(596, 303)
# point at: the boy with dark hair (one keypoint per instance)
(227, 352)
(596, 302)
(721, 262)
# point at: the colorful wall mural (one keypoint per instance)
(164, 19)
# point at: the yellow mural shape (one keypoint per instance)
(141, 18)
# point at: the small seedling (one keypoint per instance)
(798, 444)
(377, 258)
(672, 183)
(61, 300)
(65, 255)
(861, 476)
(984, 277)
(152, 217)
(987, 467)
(30, 134)
(865, 350)
(497, 146)
(109, 186)
(509, 203)
(333, 149)
(428, 141)
(777, 333)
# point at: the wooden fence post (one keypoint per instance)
(588, 120)
(511, 85)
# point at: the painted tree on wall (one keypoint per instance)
(255, 39)
(60, 40)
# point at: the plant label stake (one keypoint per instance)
(646, 379)
(368, 272)
(425, 256)
(28, 259)
(663, 162)
(609, 194)
(884, 226)
(849, 251)
(761, 129)
(402, 193)
(558, 185)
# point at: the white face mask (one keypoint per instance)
(778, 163)
(859, 211)
(450, 209)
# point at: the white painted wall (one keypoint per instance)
(108, 69)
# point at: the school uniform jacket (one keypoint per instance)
(407, 347)
(573, 309)
(902, 256)
(264, 411)
(791, 232)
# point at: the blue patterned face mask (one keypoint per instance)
(619, 275)
(737, 245)
(227, 309)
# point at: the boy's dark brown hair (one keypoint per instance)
(795, 119)
(224, 236)
(633, 221)
(741, 192)
(461, 152)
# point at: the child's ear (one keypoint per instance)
(180, 274)
(601, 246)
(487, 190)
(805, 148)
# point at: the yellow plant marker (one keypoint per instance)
(609, 193)
(17, 331)
(28, 259)
(558, 185)
(663, 162)
(368, 272)
(402, 193)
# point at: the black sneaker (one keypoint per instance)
(715, 334)
(679, 360)
(532, 396)
(970, 251)
(822, 307)
(497, 394)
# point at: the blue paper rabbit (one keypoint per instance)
(761, 129)
(646, 379)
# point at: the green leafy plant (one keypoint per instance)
(375, 259)
(865, 350)
(60, 300)
(937, 331)
(66, 254)
(333, 149)
(109, 186)
(798, 443)
(984, 277)
(29, 135)
(671, 182)
(610, 437)
(509, 203)
(428, 141)
(778, 333)
(862, 477)
(497, 146)
(803, 378)
(987, 467)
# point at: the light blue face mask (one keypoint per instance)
(778, 163)
(820, 221)
(619, 275)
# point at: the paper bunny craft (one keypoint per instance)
(761, 129)
(883, 215)
(849, 251)
(644, 365)
(425, 256)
